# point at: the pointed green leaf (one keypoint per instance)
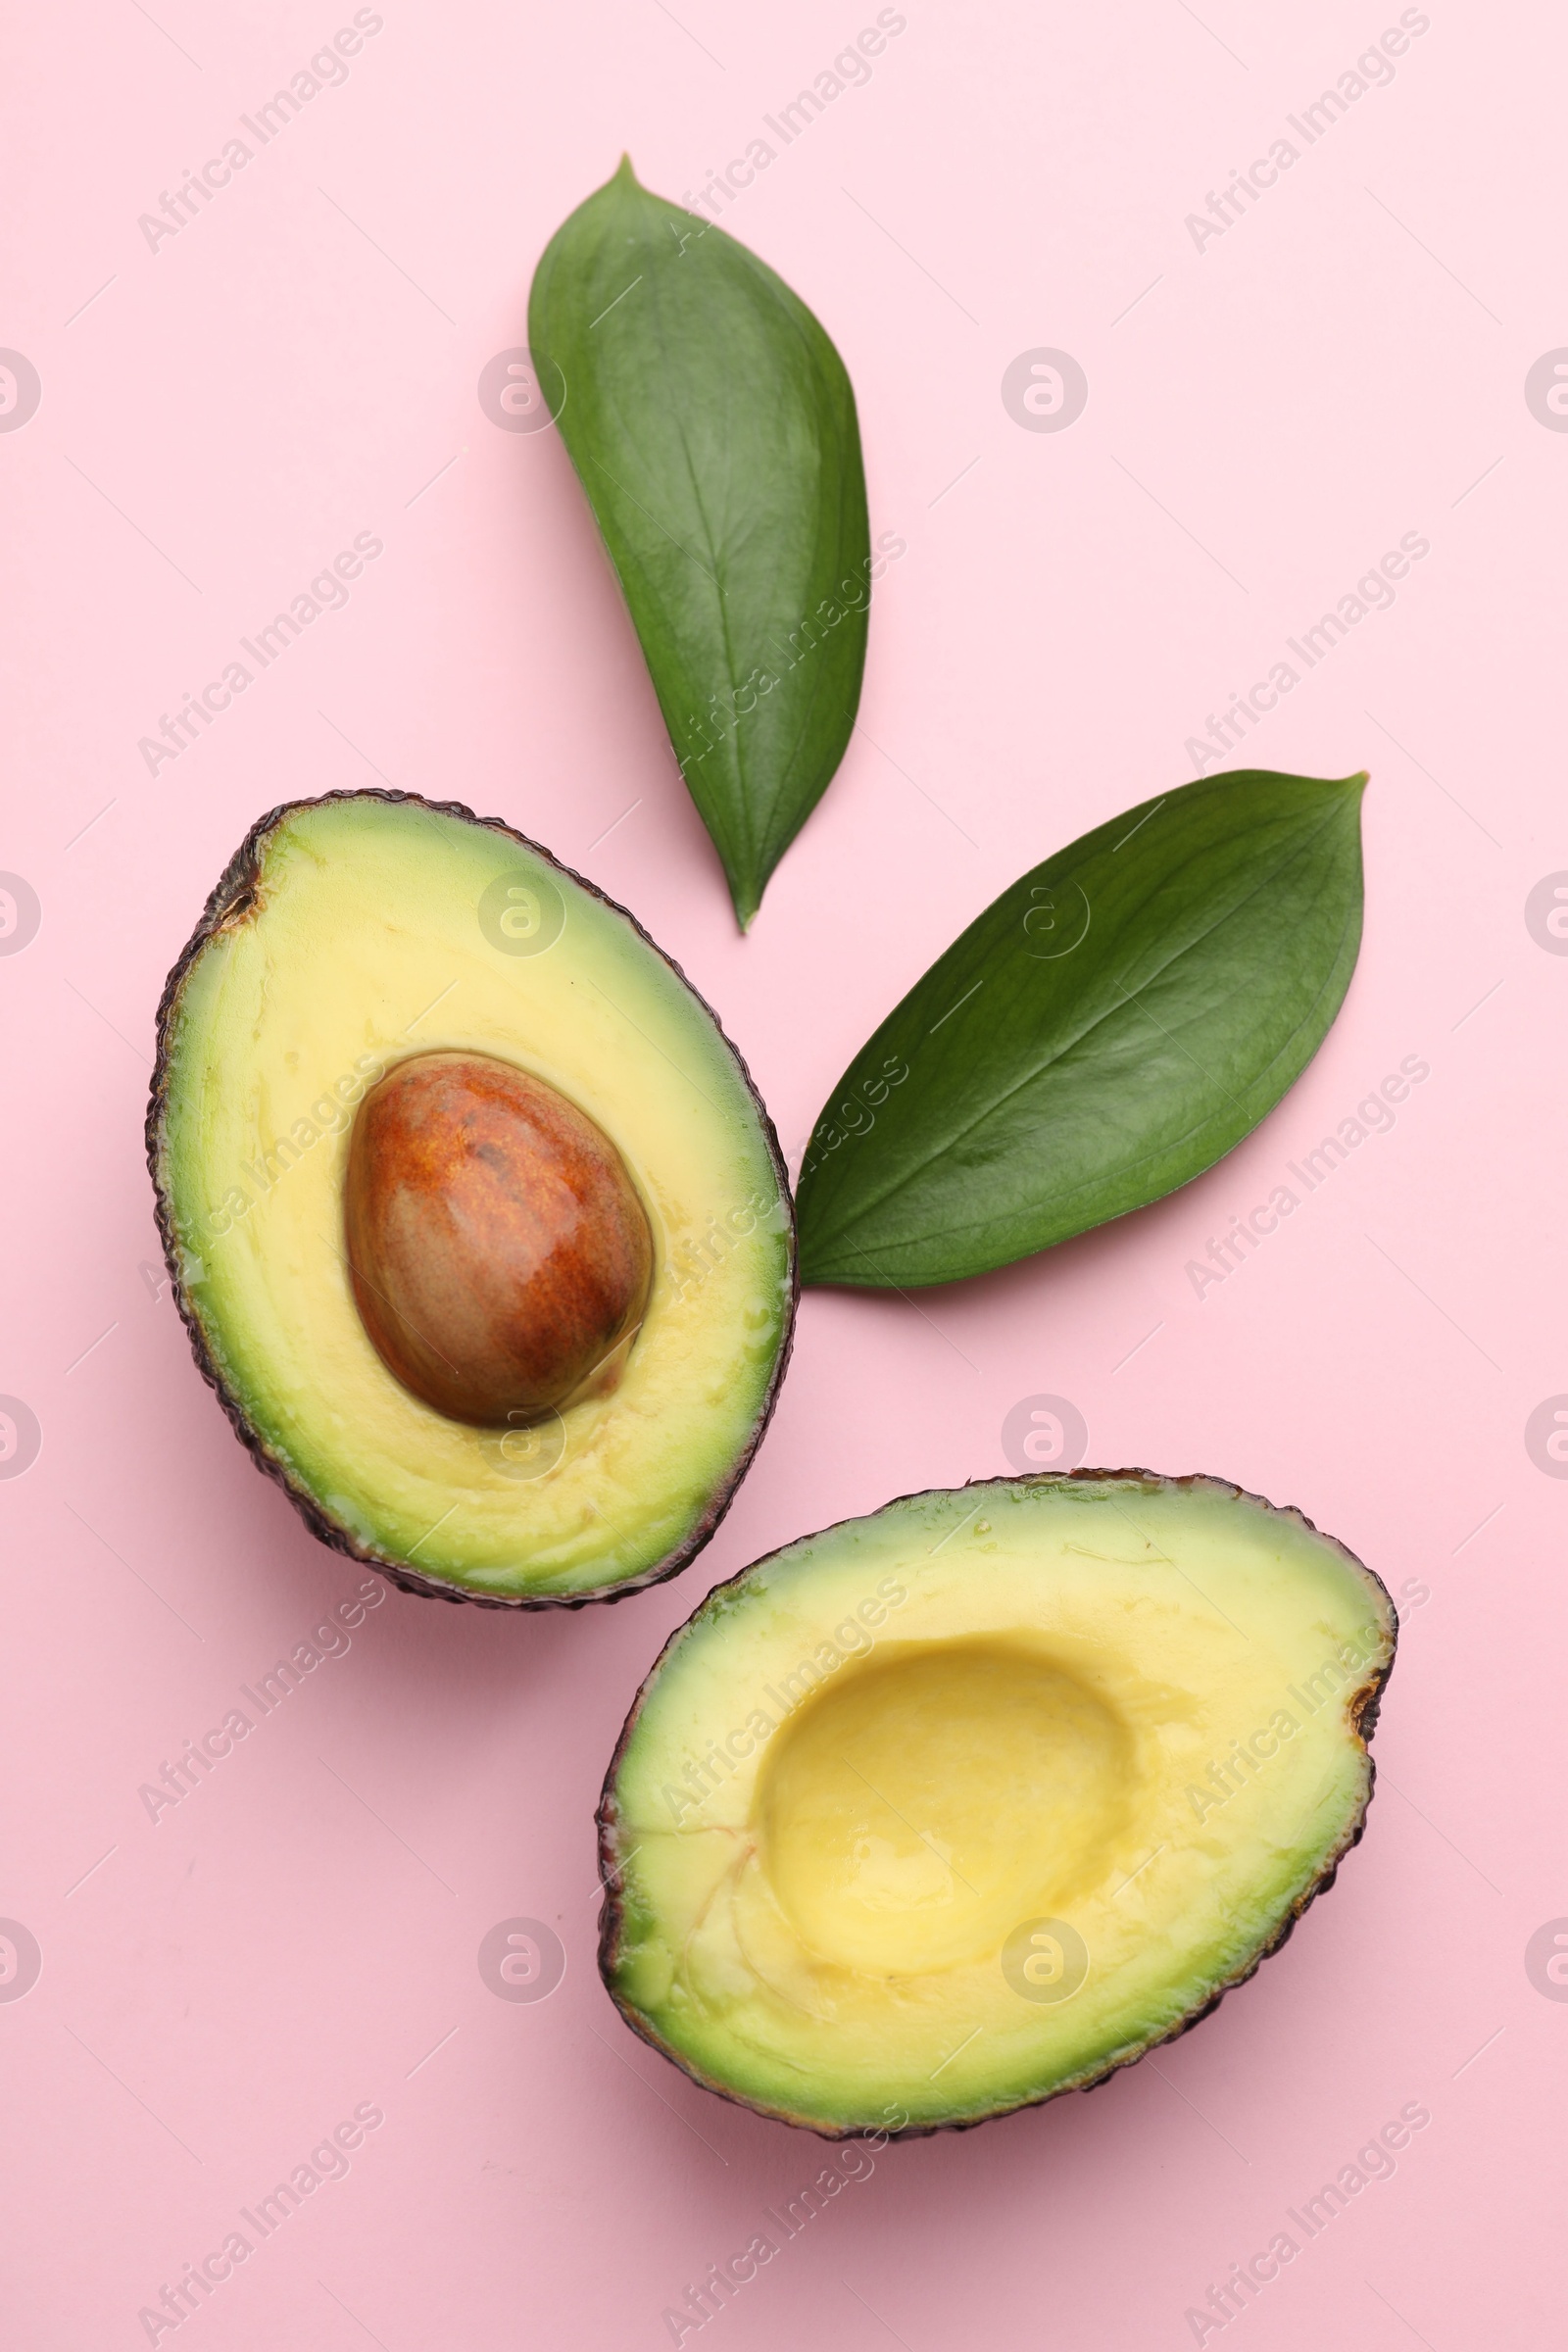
(1107, 1029)
(713, 428)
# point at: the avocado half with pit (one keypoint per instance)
(478, 1226)
(950, 1809)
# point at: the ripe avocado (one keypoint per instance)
(478, 1226)
(952, 1808)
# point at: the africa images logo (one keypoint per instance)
(1044, 390)
(1045, 1432)
(1547, 1436)
(20, 390)
(1546, 390)
(522, 1960)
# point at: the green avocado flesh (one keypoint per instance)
(955, 1808)
(350, 935)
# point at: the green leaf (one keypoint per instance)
(713, 428)
(1107, 1029)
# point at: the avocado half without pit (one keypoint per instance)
(477, 1224)
(951, 1809)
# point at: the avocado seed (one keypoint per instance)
(499, 1251)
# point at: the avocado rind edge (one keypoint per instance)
(229, 902)
(1361, 1702)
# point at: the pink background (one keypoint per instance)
(1344, 365)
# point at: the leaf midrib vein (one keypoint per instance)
(975, 1224)
(1071, 1045)
(742, 797)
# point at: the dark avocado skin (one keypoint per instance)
(228, 906)
(1362, 1705)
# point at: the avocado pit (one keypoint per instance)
(499, 1252)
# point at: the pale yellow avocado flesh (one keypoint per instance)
(951, 1808)
(378, 933)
